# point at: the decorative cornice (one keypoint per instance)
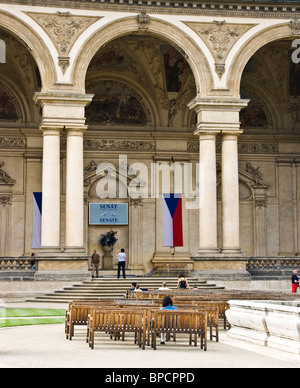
(115, 145)
(243, 148)
(263, 9)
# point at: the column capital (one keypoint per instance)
(217, 104)
(231, 134)
(73, 130)
(60, 98)
(53, 130)
(66, 110)
(206, 135)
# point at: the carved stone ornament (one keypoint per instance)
(11, 142)
(122, 145)
(135, 202)
(5, 200)
(243, 148)
(295, 27)
(4, 177)
(63, 28)
(143, 20)
(253, 171)
(220, 37)
(63, 63)
(262, 202)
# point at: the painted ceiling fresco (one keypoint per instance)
(125, 71)
(7, 108)
(115, 103)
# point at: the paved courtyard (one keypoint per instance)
(45, 346)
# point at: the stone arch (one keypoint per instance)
(168, 32)
(249, 48)
(35, 45)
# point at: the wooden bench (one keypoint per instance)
(117, 322)
(174, 321)
(77, 314)
(221, 305)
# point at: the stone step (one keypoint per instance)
(112, 288)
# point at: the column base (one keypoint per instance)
(208, 252)
(77, 251)
(232, 252)
(230, 267)
(50, 251)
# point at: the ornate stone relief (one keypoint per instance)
(220, 37)
(6, 184)
(243, 148)
(135, 202)
(122, 145)
(5, 200)
(295, 27)
(253, 171)
(11, 142)
(143, 20)
(114, 145)
(63, 29)
(251, 186)
(294, 110)
(4, 177)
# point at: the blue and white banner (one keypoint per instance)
(108, 214)
(37, 221)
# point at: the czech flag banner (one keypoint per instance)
(37, 220)
(172, 220)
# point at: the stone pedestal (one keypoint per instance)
(107, 258)
(62, 268)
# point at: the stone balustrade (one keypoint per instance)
(272, 266)
(267, 323)
(23, 263)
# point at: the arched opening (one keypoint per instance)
(270, 144)
(19, 80)
(19, 123)
(142, 85)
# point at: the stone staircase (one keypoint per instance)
(113, 288)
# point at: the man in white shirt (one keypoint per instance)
(121, 262)
(164, 287)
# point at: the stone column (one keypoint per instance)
(51, 190)
(230, 193)
(218, 115)
(62, 111)
(136, 234)
(207, 194)
(74, 237)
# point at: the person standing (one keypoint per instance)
(95, 264)
(121, 262)
(295, 281)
